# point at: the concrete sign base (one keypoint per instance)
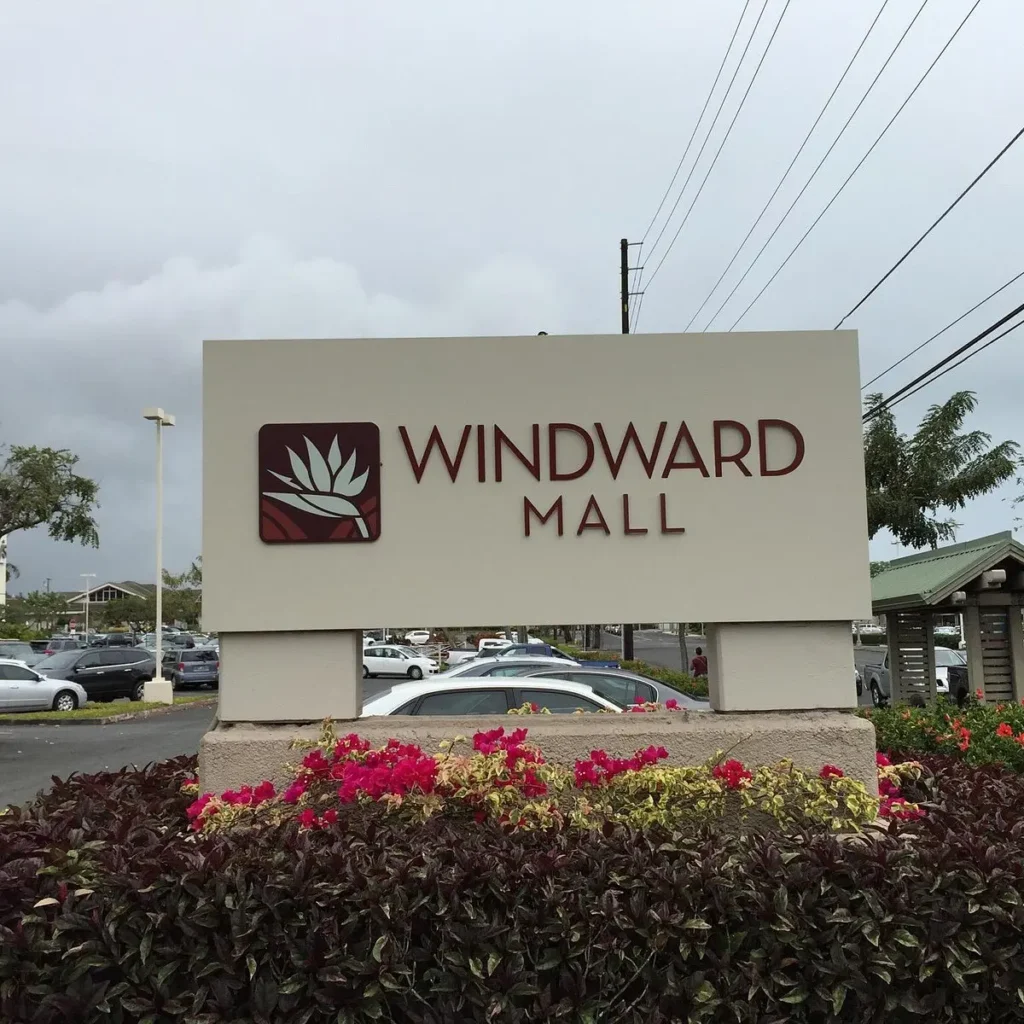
(232, 755)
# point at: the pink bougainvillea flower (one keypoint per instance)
(671, 704)
(732, 773)
(307, 818)
(882, 760)
(830, 771)
(1005, 730)
(979, 693)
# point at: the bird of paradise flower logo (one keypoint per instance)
(331, 477)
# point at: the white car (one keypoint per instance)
(484, 697)
(418, 637)
(24, 689)
(396, 661)
(481, 668)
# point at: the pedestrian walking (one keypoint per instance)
(699, 664)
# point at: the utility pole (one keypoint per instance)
(47, 584)
(627, 629)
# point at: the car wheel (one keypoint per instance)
(876, 694)
(415, 672)
(65, 701)
(138, 691)
(366, 674)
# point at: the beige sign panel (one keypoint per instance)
(709, 477)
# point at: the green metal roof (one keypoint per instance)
(931, 576)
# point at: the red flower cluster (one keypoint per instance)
(198, 809)
(601, 767)
(893, 804)
(308, 818)
(732, 773)
(1005, 730)
(830, 771)
(641, 705)
(396, 770)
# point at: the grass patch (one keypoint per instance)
(94, 711)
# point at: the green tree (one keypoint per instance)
(45, 610)
(137, 613)
(183, 594)
(912, 479)
(39, 487)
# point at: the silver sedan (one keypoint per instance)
(24, 689)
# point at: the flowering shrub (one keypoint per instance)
(977, 733)
(112, 913)
(504, 778)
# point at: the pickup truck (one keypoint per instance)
(948, 664)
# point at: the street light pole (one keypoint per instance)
(159, 689)
(87, 576)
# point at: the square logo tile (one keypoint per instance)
(319, 483)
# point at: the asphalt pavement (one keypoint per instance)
(655, 647)
(30, 755)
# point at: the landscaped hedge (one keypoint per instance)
(977, 733)
(111, 911)
(694, 686)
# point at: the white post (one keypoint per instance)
(86, 576)
(3, 571)
(159, 689)
(158, 675)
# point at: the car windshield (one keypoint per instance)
(945, 658)
(15, 649)
(63, 659)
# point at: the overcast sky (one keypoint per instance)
(178, 171)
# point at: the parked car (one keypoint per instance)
(113, 640)
(879, 676)
(106, 673)
(483, 668)
(620, 686)
(531, 650)
(483, 697)
(418, 637)
(394, 661)
(20, 650)
(490, 644)
(63, 643)
(460, 655)
(189, 669)
(24, 689)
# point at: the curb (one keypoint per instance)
(126, 716)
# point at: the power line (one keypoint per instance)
(721, 145)
(938, 220)
(860, 163)
(821, 162)
(711, 128)
(891, 400)
(703, 111)
(970, 355)
(785, 174)
(952, 323)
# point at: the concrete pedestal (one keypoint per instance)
(290, 676)
(778, 666)
(232, 755)
(158, 691)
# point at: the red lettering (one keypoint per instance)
(481, 454)
(615, 464)
(763, 427)
(553, 429)
(532, 465)
(555, 510)
(419, 466)
(720, 457)
(600, 524)
(627, 529)
(665, 528)
(683, 435)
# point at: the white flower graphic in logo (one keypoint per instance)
(323, 486)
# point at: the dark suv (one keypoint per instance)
(104, 673)
(114, 640)
(198, 666)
